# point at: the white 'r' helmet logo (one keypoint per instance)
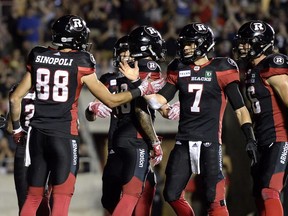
(77, 24)
(258, 27)
(199, 27)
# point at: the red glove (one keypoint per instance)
(174, 112)
(153, 87)
(100, 109)
(157, 154)
(19, 135)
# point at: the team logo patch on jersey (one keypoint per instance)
(279, 60)
(185, 73)
(231, 61)
(113, 82)
(208, 74)
(92, 58)
(151, 65)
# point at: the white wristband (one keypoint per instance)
(18, 130)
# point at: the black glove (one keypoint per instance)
(251, 145)
(251, 149)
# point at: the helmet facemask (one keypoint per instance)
(121, 52)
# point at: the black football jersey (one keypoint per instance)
(27, 108)
(202, 97)
(269, 113)
(127, 123)
(109, 80)
(56, 77)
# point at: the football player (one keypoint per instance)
(20, 170)
(204, 85)
(57, 75)
(267, 90)
(131, 129)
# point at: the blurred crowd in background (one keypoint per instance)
(25, 24)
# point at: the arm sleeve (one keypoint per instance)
(168, 91)
(235, 97)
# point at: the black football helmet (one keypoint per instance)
(120, 46)
(146, 41)
(70, 31)
(259, 35)
(197, 33)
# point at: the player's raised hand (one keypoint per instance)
(132, 73)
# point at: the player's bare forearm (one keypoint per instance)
(164, 110)
(15, 108)
(9, 127)
(16, 97)
(243, 115)
(100, 91)
(146, 124)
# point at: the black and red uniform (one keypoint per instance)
(127, 166)
(111, 178)
(203, 94)
(54, 141)
(270, 124)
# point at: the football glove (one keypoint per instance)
(251, 143)
(251, 149)
(157, 153)
(19, 136)
(99, 109)
(151, 87)
(174, 111)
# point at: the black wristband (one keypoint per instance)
(136, 83)
(16, 124)
(248, 131)
(135, 93)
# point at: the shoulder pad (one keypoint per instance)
(146, 65)
(277, 60)
(224, 63)
(86, 59)
(175, 64)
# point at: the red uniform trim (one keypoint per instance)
(224, 78)
(273, 71)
